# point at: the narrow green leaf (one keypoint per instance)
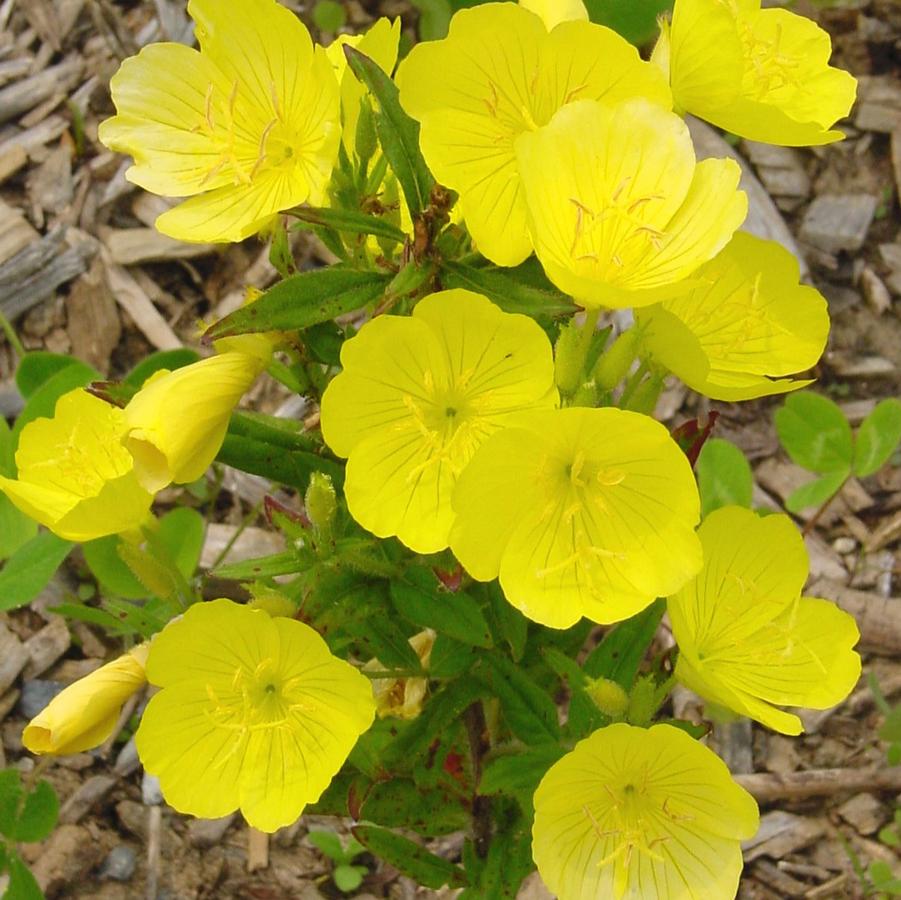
(620, 653)
(28, 571)
(385, 642)
(877, 438)
(39, 814)
(419, 600)
(450, 658)
(305, 299)
(724, 476)
(519, 772)
(416, 862)
(635, 20)
(7, 450)
(816, 492)
(162, 359)
(815, 433)
(16, 529)
(510, 294)
(529, 710)
(285, 563)
(434, 19)
(398, 133)
(508, 624)
(401, 803)
(348, 220)
(509, 861)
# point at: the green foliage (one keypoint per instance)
(28, 814)
(29, 570)
(16, 529)
(329, 15)
(416, 862)
(434, 18)
(816, 435)
(43, 395)
(347, 876)
(162, 359)
(635, 20)
(724, 476)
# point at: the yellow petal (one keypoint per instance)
(497, 75)
(84, 714)
(417, 397)
(647, 216)
(746, 319)
(595, 518)
(553, 12)
(633, 813)
(176, 423)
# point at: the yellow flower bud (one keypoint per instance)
(176, 423)
(272, 601)
(402, 698)
(607, 696)
(84, 714)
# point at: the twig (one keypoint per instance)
(810, 524)
(257, 850)
(818, 782)
(154, 828)
(127, 709)
(477, 732)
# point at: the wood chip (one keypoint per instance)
(93, 318)
(205, 833)
(46, 646)
(34, 138)
(834, 223)
(132, 298)
(875, 291)
(864, 813)
(11, 161)
(136, 245)
(879, 104)
(257, 850)
(878, 618)
(28, 93)
(779, 881)
(50, 186)
(15, 233)
(85, 797)
(68, 855)
(251, 543)
(780, 832)
(13, 657)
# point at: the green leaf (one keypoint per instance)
(509, 293)
(416, 862)
(450, 658)
(10, 795)
(816, 492)
(259, 447)
(724, 476)
(39, 814)
(418, 599)
(398, 133)
(434, 19)
(878, 436)
(815, 433)
(22, 885)
(181, 533)
(528, 710)
(16, 529)
(519, 772)
(348, 878)
(401, 803)
(327, 842)
(305, 299)
(635, 20)
(28, 571)
(508, 624)
(7, 450)
(891, 727)
(162, 359)
(42, 402)
(37, 367)
(509, 861)
(349, 220)
(889, 836)
(329, 15)
(620, 653)
(386, 642)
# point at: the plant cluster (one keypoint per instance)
(482, 480)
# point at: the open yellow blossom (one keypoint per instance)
(497, 75)
(581, 512)
(84, 714)
(640, 813)
(620, 211)
(245, 127)
(747, 638)
(379, 44)
(763, 74)
(401, 698)
(254, 714)
(176, 423)
(75, 477)
(746, 321)
(553, 12)
(417, 397)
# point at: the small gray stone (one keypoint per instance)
(834, 223)
(119, 864)
(36, 694)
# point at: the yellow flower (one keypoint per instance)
(747, 638)
(84, 714)
(759, 73)
(379, 44)
(246, 127)
(581, 512)
(497, 75)
(176, 423)
(401, 698)
(746, 320)
(417, 397)
(254, 713)
(74, 476)
(641, 813)
(619, 209)
(553, 12)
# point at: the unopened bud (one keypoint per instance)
(569, 358)
(271, 601)
(614, 364)
(320, 501)
(607, 696)
(642, 702)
